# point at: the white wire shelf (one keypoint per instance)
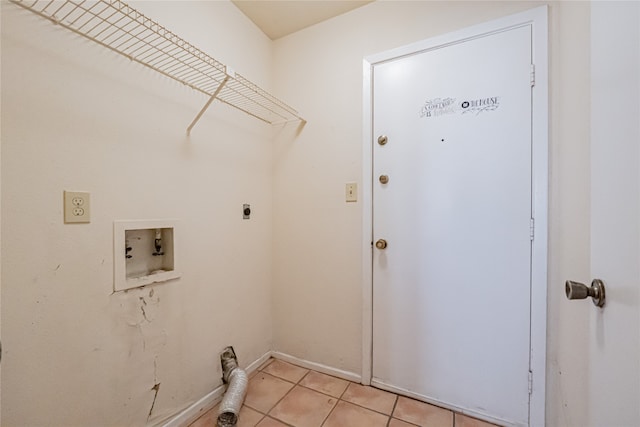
(122, 29)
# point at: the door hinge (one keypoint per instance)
(530, 382)
(533, 75)
(532, 228)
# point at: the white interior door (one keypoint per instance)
(614, 347)
(451, 290)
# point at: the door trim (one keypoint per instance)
(537, 19)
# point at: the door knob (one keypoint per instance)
(381, 244)
(576, 290)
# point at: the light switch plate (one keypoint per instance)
(351, 192)
(76, 207)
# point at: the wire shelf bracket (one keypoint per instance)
(206, 106)
(119, 27)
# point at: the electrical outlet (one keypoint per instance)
(76, 207)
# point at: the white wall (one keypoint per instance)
(317, 236)
(78, 117)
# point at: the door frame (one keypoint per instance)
(537, 19)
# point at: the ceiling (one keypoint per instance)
(277, 18)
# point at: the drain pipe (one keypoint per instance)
(237, 380)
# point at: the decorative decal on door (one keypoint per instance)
(444, 106)
(478, 106)
(438, 107)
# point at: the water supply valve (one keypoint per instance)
(157, 243)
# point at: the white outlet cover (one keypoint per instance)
(77, 206)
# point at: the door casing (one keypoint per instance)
(537, 19)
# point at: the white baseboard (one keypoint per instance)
(256, 364)
(475, 414)
(197, 409)
(345, 375)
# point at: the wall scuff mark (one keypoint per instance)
(144, 313)
(155, 388)
(140, 325)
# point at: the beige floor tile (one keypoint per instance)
(303, 408)
(286, 371)
(349, 415)
(369, 397)
(465, 421)
(248, 417)
(324, 383)
(422, 414)
(270, 422)
(208, 419)
(394, 422)
(265, 391)
(265, 364)
(316, 401)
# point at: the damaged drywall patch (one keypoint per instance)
(137, 306)
(142, 305)
(140, 327)
(155, 388)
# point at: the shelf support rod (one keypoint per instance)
(206, 106)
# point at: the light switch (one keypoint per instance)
(76, 207)
(351, 191)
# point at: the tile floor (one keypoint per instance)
(281, 394)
